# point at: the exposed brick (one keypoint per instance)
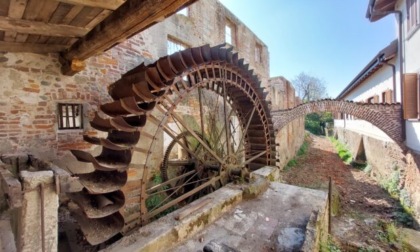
(32, 90)
(373, 113)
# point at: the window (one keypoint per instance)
(183, 11)
(258, 53)
(175, 46)
(230, 31)
(70, 116)
(412, 14)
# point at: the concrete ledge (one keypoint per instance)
(166, 231)
(269, 173)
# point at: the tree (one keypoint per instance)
(309, 88)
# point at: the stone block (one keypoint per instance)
(30, 228)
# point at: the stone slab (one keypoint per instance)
(167, 231)
(257, 224)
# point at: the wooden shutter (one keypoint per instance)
(410, 96)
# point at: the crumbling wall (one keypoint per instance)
(290, 137)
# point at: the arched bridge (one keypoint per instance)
(387, 117)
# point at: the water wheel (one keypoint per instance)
(178, 129)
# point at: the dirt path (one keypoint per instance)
(366, 210)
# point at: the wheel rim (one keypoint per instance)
(145, 102)
(221, 151)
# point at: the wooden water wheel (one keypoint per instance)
(177, 129)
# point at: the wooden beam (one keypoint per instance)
(103, 4)
(41, 28)
(72, 67)
(132, 17)
(30, 47)
(16, 10)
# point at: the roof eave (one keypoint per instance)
(378, 9)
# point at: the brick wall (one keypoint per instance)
(386, 117)
(32, 86)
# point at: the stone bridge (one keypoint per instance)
(387, 117)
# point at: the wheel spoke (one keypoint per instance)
(200, 101)
(174, 192)
(181, 198)
(246, 127)
(227, 125)
(253, 158)
(178, 141)
(192, 132)
(151, 189)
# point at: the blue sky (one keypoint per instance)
(329, 39)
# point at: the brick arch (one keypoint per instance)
(387, 117)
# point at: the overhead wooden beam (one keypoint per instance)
(30, 47)
(132, 17)
(41, 28)
(16, 10)
(103, 4)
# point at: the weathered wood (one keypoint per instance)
(16, 10)
(11, 188)
(29, 47)
(132, 17)
(66, 182)
(41, 28)
(104, 4)
(101, 16)
(47, 11)
(85, 16)
(71, 14)
(4, 7)
(72, 67)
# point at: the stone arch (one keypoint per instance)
(387, 117)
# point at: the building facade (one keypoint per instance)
(391, 76)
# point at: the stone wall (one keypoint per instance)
(32, 84)
(388, 161)
(290, 137)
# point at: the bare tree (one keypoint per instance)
(309, 88)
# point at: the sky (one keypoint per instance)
(328, 39)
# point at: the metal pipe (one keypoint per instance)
(394, 79)
(400, 55)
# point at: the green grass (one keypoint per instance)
(157, 200)
(342, 150)
(299, 154)
(329, 246)
(303, 148)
